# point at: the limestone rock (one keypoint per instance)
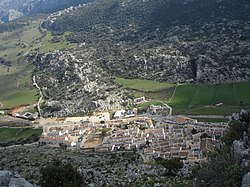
(4, 178)
(72, 84)
(246, 180)
(7, 179)
(238, 149)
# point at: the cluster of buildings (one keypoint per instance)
(189, 141)
(177, 136)
(73, 131)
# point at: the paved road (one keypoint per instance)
(160, 118)
(16, 120)
(208, 116)
(41, 95)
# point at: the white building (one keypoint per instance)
(119, 114)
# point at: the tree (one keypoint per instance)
(173, 165)
(194, 131)
(236, 130)
(233, 176)
(220, 171)
(58, 174)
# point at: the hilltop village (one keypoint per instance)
(150, 135)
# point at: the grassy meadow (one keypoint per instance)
(15, 80)
(17, 134)
(47, 45)
(191, 98)
(144, 85)
(16, 88)
(200, 99)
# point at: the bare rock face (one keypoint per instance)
(238, 150)
(14, 9)
(4, 178)
(8, 179)
(246, 180)
(10, 15)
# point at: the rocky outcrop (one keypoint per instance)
(71, 84)
(97, 169)
(8, 179)
(241, 148)
(10, 15)
(246, 180)
(13, 9)
(238, 150)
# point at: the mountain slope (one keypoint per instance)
(171, 40)
(13, 9)
(72, 84)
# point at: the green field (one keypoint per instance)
(200, 99)
(16, 79)
(16, 44)
(191, 98)
(16, 88)
(17, 134)
(47, 45)
(144, 85)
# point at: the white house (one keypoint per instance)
(119, 114)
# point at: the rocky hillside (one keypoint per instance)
(98, 170)
(72, 83)
(171, 40)
(8, 179)
(13, 9)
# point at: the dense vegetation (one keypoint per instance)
(222, 168)
(60, 174)
(160, 39)
(10, 26)
(147, 15)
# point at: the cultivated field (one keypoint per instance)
(17, 134)
(201, 99)
(191, 98)
(144, 85)
(16, 88)
(156, 92)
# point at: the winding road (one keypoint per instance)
(41, 95)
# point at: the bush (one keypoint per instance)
(236, 130)
(58, 174)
